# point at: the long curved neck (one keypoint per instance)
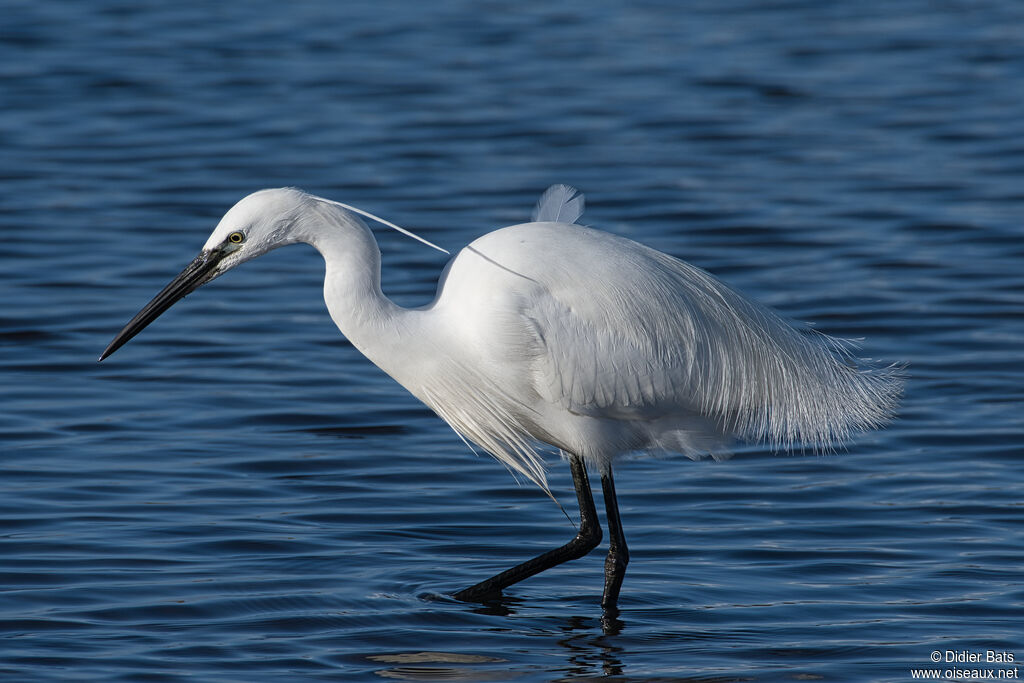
(374, 324)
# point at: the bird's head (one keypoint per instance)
(264, 220)
(258, 223)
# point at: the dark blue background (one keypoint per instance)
(237, 495)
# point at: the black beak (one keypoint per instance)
(199, 272)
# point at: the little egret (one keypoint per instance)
(553, 333)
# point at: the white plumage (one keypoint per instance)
(599, 346)
(553, 333)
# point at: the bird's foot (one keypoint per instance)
(479, 593)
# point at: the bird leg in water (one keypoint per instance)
(618, 553)
(587, 538)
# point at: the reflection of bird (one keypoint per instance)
(550, 332)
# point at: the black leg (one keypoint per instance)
(618, 553)
(587, 538)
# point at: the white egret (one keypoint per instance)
(554, 333)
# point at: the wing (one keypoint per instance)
(634, 334)
(559, 204)
(554, 314)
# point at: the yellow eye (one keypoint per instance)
(236, 238)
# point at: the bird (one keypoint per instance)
(551, 336)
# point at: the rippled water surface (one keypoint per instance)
(237, 495)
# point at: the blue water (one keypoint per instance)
(237, 495)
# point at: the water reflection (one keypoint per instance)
(589, 652)
(424, 666)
